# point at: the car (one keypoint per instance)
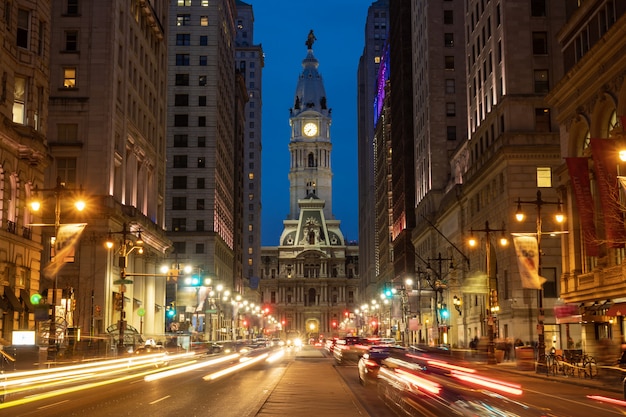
(370, 361)
(277, 342)
(349, 349)
(156, 353)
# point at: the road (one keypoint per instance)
(243, 393)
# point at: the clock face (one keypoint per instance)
(310, 129)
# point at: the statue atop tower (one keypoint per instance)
(310, 40)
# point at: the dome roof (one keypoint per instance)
(310, 92)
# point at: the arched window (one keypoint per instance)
(311, 160)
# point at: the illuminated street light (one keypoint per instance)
(559, 218)
(35, 205)
(126, 247)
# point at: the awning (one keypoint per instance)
(618, 309)
(25, 296)
(9, 295)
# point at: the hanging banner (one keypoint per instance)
(64, 247)
(605, 166)
(527, 252)
(579, 174)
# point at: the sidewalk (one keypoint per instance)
(311, 387)
(604, 381)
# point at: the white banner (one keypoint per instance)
(64, 247)
(527, 251)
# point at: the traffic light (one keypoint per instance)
(334, 324)
(245, 323)
(197, 281)
(444, 311)
(35, 299)
(170, 312)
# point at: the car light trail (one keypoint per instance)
(171, 372)
(489, 383)
(234, 368)
(275, 356)
(446, 365)
(419, 382)
(607, 400)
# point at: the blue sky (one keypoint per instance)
(281, 27)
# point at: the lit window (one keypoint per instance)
(204, 20)
(69, 77)
(544, 177)
(251, 176)
(19, 100)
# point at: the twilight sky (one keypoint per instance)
(281, 27)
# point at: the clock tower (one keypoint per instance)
(310, 280)
(310, 174)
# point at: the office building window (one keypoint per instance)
(202, 60)
(542, 120)
(180, 141)
(451, 132)
(181, 120)
(448, 40)
(71, 41)
(72, 7)
(450, 86)
(179, 224)
(182, 79)
(202, 80)
(544, 177)
(69, 77)
(201, 141)
(201, 162)
(179, 203)
(19, 100)
(180, 161)
(200, 183)
(182, 60)
(23, 23)
(448, 17)
(181, 100)
(540, 43)
(204, 20)
(179, 182)
(67, 132)
(67, 171)
(450, 109)
(201, 121)
(183, 19)
(183, 39)
(204, 40)
(180, 247)
(542, 85)
(537, 8)
(199, 225)
(199, 247)
(200, 204)
(202, 101)
(449, 62)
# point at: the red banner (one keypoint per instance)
(605, 166)
(579, 174)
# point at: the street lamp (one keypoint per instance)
(35, 204)
(438, 285)
(492, 283)
(126, 247)
(559, 218)
(457, 304)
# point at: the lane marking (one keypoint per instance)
(159, 400)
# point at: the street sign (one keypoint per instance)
(122, 281)
(211, 311)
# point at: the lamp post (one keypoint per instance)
(492, 285)
(126, 247)
(438, 285)
(35, 204)
(560, 218)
